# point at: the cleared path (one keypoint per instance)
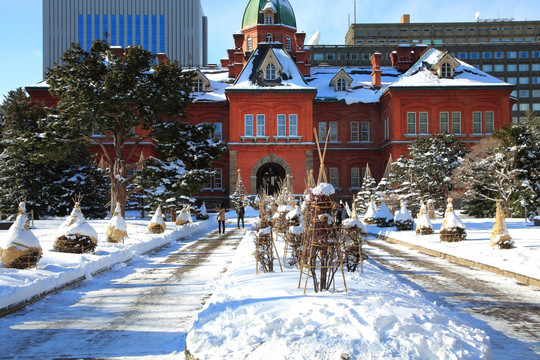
(142, 309)
(507, 311)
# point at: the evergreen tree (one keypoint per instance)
(431, 162)
(48, 183)
(488, 174)
(366, 193)
(115, 95)
(188, 152)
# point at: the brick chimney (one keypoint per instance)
(300, 38)
(118, 51)
(162, 58)
(376, 69)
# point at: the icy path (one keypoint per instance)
(507, 311)
(140, 310)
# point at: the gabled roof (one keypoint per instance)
(341, 74)
(465, 75)
(252, 78)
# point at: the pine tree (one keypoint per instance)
(366, 193)
(116, 95)
(48, 183)
(431, 162)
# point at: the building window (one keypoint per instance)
(248, 125)
(423, 123)
(318, 57)
(498, 55)
(198, 85)
(446, 71)
(333, 131)
(269, 38)
(355, 177)
(411, 123)
(486, 55)
(270, 72)
(487, 68)
(218, 131)
(322, 131)
(477, 122)
(523, 80)
(330, 56)
(333, 171)
(490, 123)
(443, 119)
(523, 93)
(474, 55)
(386, 128)
(511, 54)
(249, 43)
(341, 85)
(260, 125)
(355, 132)
(456, 122)
(365, 131)
(293, 125)
(269, 19)
(218, 183)
(523, 67)
(288, 42)
(523, 54)
(281, 125)
(462, 55)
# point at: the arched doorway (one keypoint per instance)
(269, 178)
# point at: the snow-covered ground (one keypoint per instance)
(254, 316)
(523, 258)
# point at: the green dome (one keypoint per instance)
(253, 16)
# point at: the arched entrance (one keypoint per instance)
(270, 176)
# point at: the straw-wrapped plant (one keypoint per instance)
(384, 217)
(157, 224)
(371, 213)
(293, 236)
(20, 249)
(499, 236)
(353, 234)
(403, 219)
(203, 213)
(116, 228)
(423, 222)
(452, 228)
(75, 235)
(185, 216)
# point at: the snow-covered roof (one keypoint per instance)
(465, 75)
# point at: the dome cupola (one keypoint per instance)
(260, 12)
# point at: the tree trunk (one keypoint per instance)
(118, 186)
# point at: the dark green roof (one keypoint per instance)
(253, 16)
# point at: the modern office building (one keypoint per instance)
(504, 48)
(177, 28)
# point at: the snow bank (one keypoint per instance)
(57, 269)
(254, 316)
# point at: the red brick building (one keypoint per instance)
(266, 100)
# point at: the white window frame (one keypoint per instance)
(444, 122)
(269, 38)
(411, 123)
(261, 125)
(365, 132)
(249, 43)
(477, 122)
(446, 71)
(341, 84)
(423, 123)
(288, 43)
(281, 125)
(333, 131)
(333, 178)
(355, 131)
(456, 122)
(323, 129)
(248, 125)
(198, 85)
(293, 125)
(270, 72)
(355, 178)
(217, 179)
(489, 122)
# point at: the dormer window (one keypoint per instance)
(269, 18)
(342, 81)
(270, 73)
(198, 85)
(288, 43)
(249, 43)
(269, 38)
(446, 71)
(341, 85)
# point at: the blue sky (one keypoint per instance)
(21, 39)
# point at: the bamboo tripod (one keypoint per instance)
(322, 243)
(265, 242)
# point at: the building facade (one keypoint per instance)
(274, 109)
(177, 28)
(506, 49)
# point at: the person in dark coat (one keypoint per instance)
(240, 210)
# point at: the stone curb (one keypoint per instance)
(527, 280)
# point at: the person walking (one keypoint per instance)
(241, 211)
(221, 218)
